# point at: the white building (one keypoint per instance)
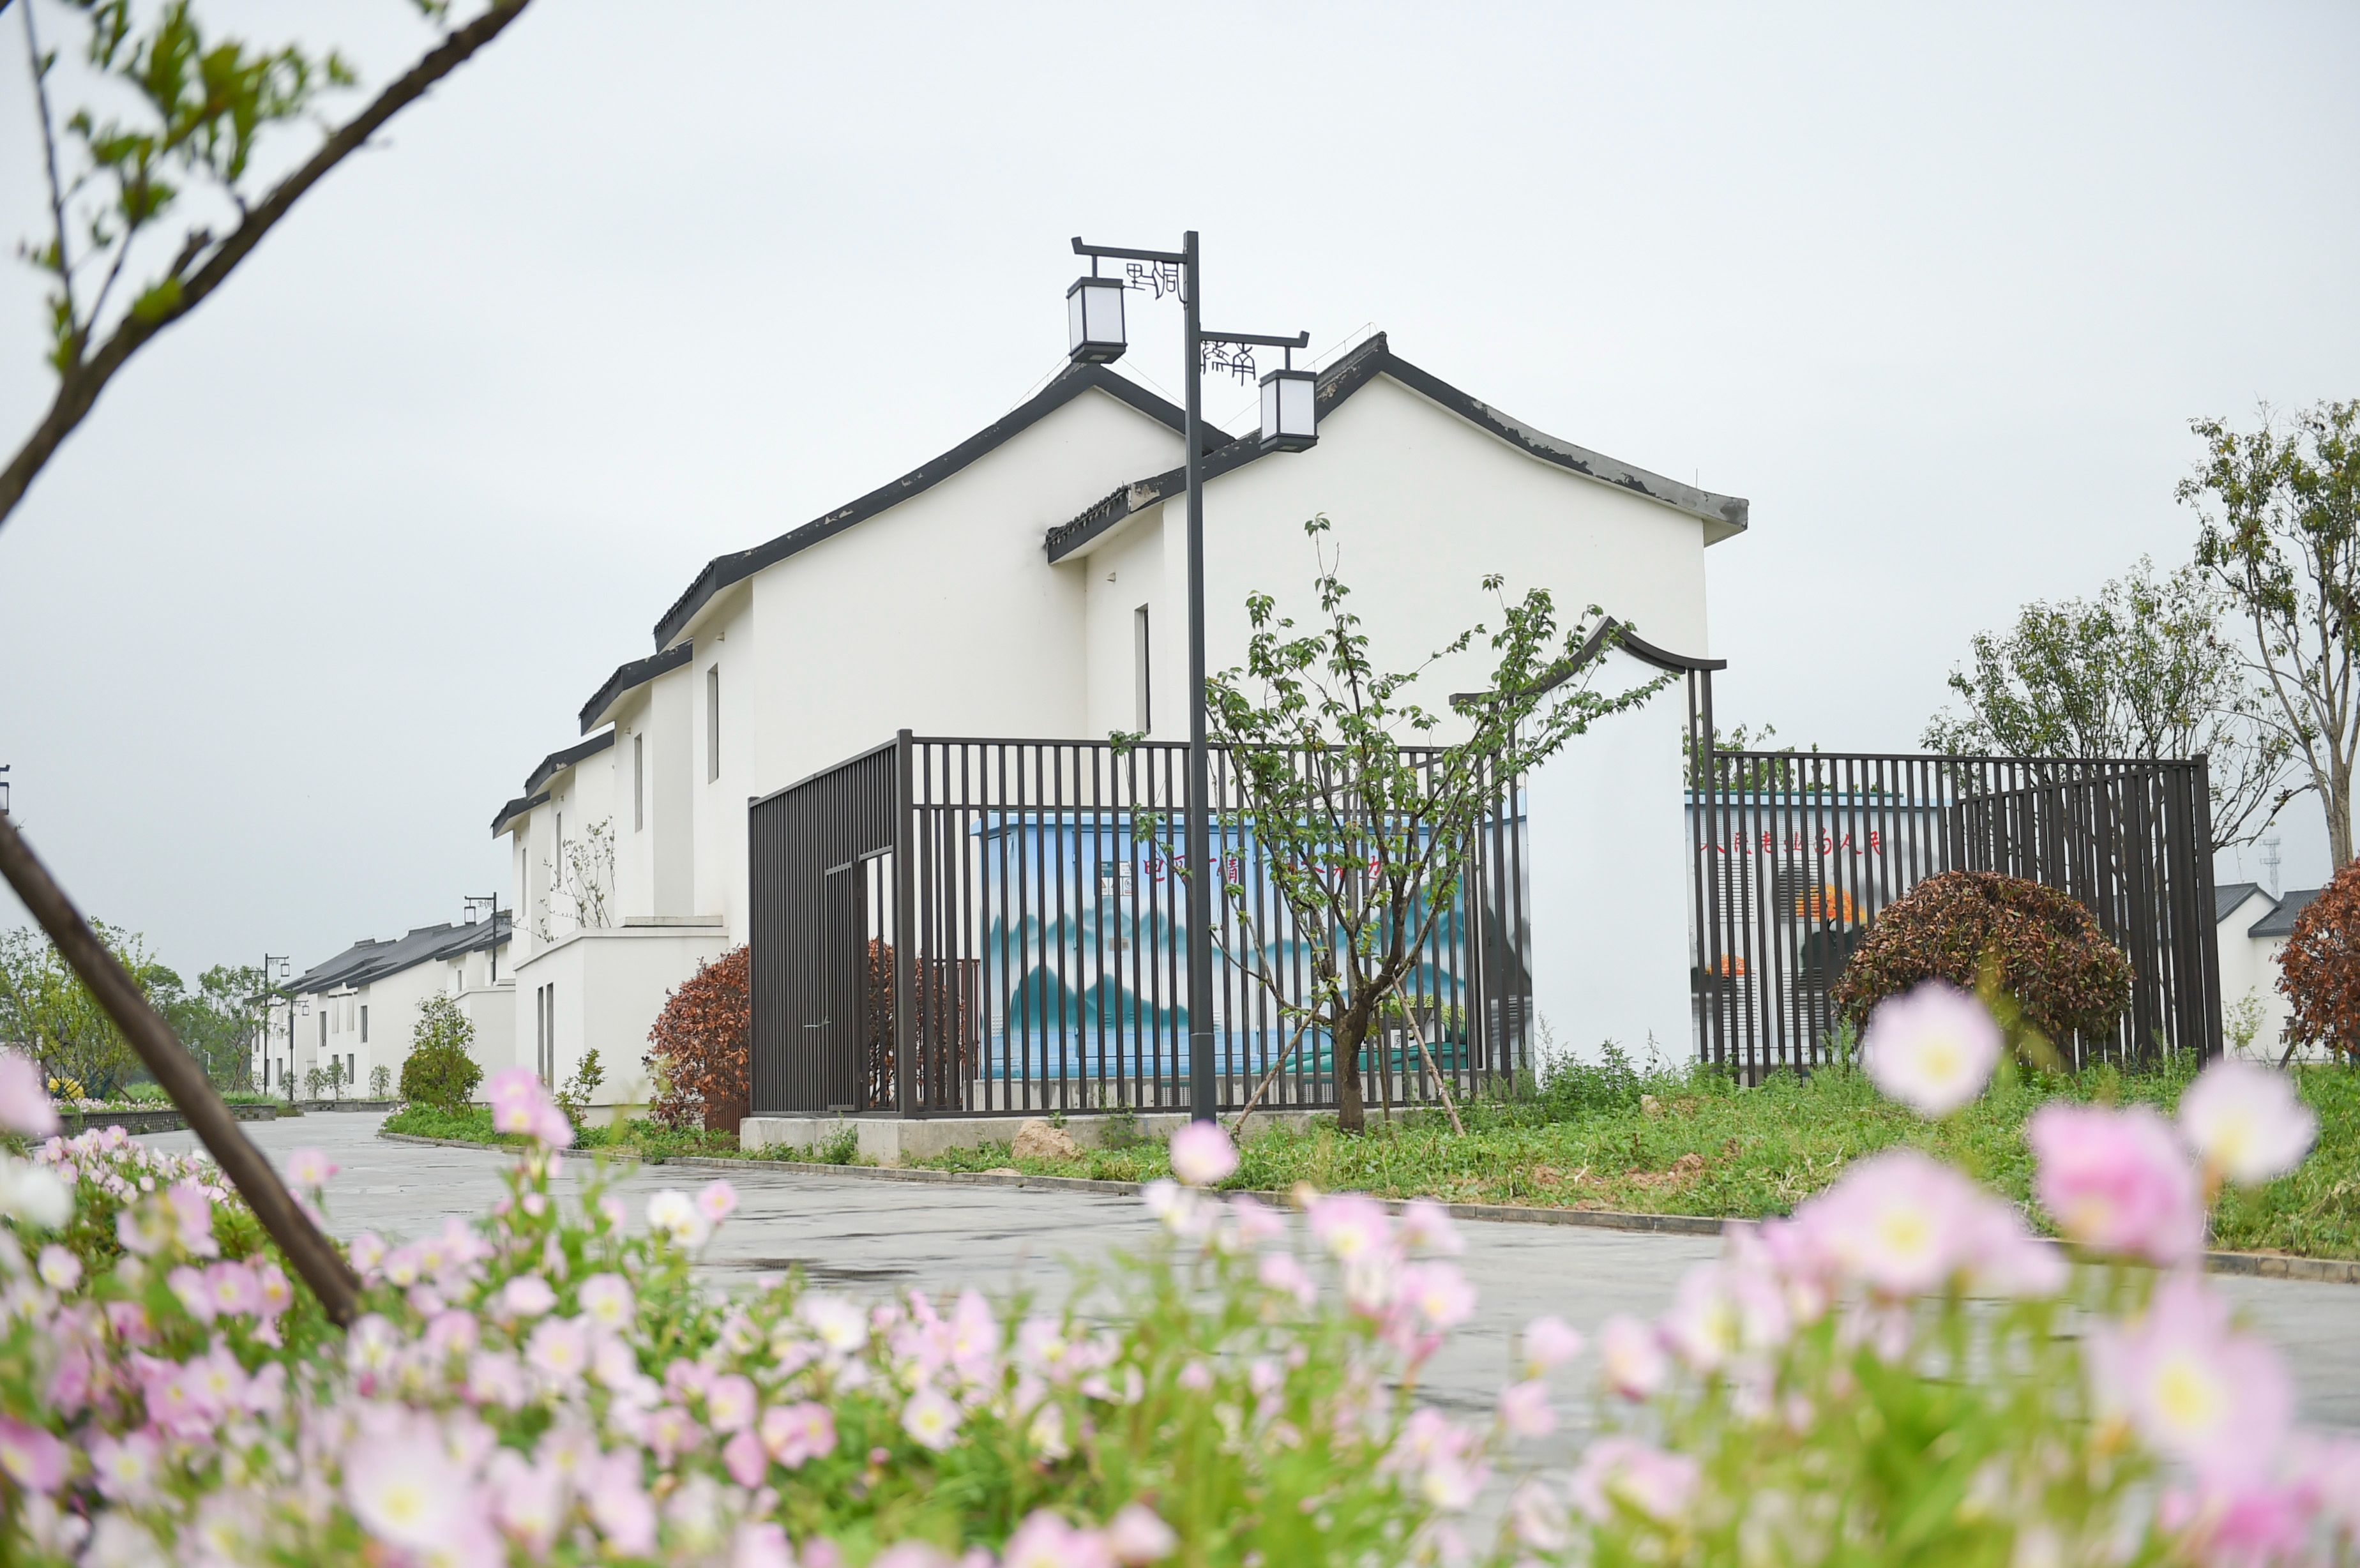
(2253, 926)
(1030, 583)
(359, 1009)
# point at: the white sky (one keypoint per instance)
(339, 559)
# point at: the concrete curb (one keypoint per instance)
(2253, 1265)
(74, 1123)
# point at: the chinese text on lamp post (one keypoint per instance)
(1094, 319)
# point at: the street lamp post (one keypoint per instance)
(491, 906)
(1094, 319)
(285, 965)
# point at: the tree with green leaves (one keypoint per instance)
(1365, 808)
(2280, 506)
(46, 1011)
(219, 1020)
(197, 108)
(2148, 667)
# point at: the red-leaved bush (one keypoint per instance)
(2053, 958)
(2319, 971)
(697, 1050)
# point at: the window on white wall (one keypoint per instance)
(363, 1023)
(1141, 703)
(713, 723)
(639, 782)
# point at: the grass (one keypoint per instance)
(1690, 1143)
(636, 1138)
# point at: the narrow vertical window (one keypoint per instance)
(639, 782)
(363, 1023)
(713, 723)
(1142, 703)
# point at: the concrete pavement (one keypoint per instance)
(861, 1236)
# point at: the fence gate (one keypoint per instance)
(946, 927)
(1795, 855)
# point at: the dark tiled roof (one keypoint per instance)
(2227, 896)
(2280, 921)
(1347, 376)
(1070, 383)
(557, 762)
(639, 673)
(512, 810)
(369, 959)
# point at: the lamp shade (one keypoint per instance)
(1288, 420)
(1094, 321)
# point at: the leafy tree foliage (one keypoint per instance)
(697, 1052)
(2319, 969)
(2148, 667)
(218, 1021)
(441, 1069)
(2281, 535)
(2066, 979)
(48, 1013)
(1363, 841)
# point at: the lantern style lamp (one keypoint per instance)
(1094, 321)
(1288, 420)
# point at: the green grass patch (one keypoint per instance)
(634, 1138)
(1696, 1144)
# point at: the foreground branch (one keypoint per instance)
(177, 1072)
(176, 295)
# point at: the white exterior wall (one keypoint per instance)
(1126, 571)
(606, 988)
(1607, 841)
(940, 615)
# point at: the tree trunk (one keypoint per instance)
(1351, 1030)
(2339, 814)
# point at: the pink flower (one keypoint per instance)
(1352, 1228)
(1439, 1293)
(1549, 1343)
(1279, 1272)
(608, 1302)
(1525, 1409)
(126, 1466)
(729, 1403)
(2246, 1121)
(760, 1544)
(59, 1269)
(1046, 1541)
(1626, 1473)
(672, 1215)
(192, 1211)
(2194, 1387)
(795, 1434)
(1900, 1223)
(619, 1505)
(527, 1296)
(528, 1499)
(233, 1291)
(189, 1285)
(1933, 1050)
(931, 1419)
(308, 1168)
(560, 1350)
(407, 1491)
(717, 1202)
(31, 1457)
(1202, 1154)
(2117, 1180)
(745, 1458)
(1137, 1536)
(24, 1104)
(1630, 1357)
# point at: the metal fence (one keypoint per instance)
(1030, 886)
(1795, 855)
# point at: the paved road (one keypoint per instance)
(861, 1234)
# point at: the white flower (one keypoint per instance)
(1202, 1154)
(34, 1195)
(931, 1419)
(406, 1490)
(673, 1215)
(1933, 1050)
(2246, 1121)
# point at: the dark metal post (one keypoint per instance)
(1202, 1090)
(905, 933)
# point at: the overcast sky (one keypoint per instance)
(338, 560)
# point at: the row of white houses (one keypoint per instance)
(1028, 583)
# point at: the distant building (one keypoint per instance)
(2252, 932)
(359, 1009)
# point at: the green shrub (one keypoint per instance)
(841, 1147)
(439, 1071)
(2051, 956)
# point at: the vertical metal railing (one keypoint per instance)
(1020, 946)
(1796, 854)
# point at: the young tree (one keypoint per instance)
(1364, 843)
(45, 1009)
(2148, 667)
(198, 109)
(2280, 506)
